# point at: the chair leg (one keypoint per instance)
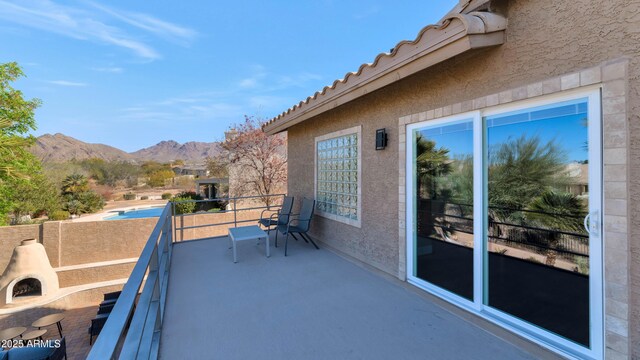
(276, 237)
(286, 241)
(295, 237)
(310, 239)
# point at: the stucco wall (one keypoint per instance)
(545, 39)
(88, 275)
(69, 243)
(11, 236)
(95, 241)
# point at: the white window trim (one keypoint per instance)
(540, 336)
(353, 130)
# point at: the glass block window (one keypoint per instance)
(337, 176)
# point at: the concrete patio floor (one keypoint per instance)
(312, 304)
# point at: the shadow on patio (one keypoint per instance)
(312, 305)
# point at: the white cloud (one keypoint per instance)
(67, 83)
(149, 23)
(94, 23)
(109, 69)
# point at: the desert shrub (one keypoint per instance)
(59, 215)
(184, 207)
(91, 201)
(192, 195)
(167, 196)
(159, 178)
(129, 196)
(145, 197)
(73, 207)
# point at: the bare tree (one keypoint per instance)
(257, 161)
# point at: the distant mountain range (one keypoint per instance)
(62, 148)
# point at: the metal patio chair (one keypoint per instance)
(279, 217)
(298, 224)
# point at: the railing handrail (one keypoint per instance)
(111, 337)
(229, 198)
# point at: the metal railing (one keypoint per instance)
(232, 206)
(457, 217)
(133, 328)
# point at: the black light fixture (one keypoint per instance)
(381, 139)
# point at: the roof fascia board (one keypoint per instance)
(455, 44)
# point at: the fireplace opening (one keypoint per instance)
(27, 287)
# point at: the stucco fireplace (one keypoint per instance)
(29, 274)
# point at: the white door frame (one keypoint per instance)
(596, 268)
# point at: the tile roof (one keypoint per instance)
(431, 38)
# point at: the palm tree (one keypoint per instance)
(554, 210)
(432, 166)
(75, 184)
(431, 163)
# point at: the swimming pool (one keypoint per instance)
(137, 214)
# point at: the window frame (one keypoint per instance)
(357, 130)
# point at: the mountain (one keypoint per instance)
(61, 148)
(166, 151)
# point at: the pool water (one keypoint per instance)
(138, 214)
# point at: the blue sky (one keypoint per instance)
(130, 74)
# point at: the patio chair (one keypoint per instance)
(105, 309)
(97, 324)
(298, 224)
(279, 217)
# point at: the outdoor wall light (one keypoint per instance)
(381, 139)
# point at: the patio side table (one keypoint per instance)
(252, 232)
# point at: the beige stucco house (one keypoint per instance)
(484, 112)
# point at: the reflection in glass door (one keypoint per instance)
(443, 195)
(538, 197)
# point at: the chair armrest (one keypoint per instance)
(268, 210)
(274, 215)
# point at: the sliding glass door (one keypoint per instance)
(538, 197)
(443, 183)
(504, 209)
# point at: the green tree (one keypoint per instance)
(522, 169)
(35, 196)
(110, 173)
(17, 118)
(150, 167)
